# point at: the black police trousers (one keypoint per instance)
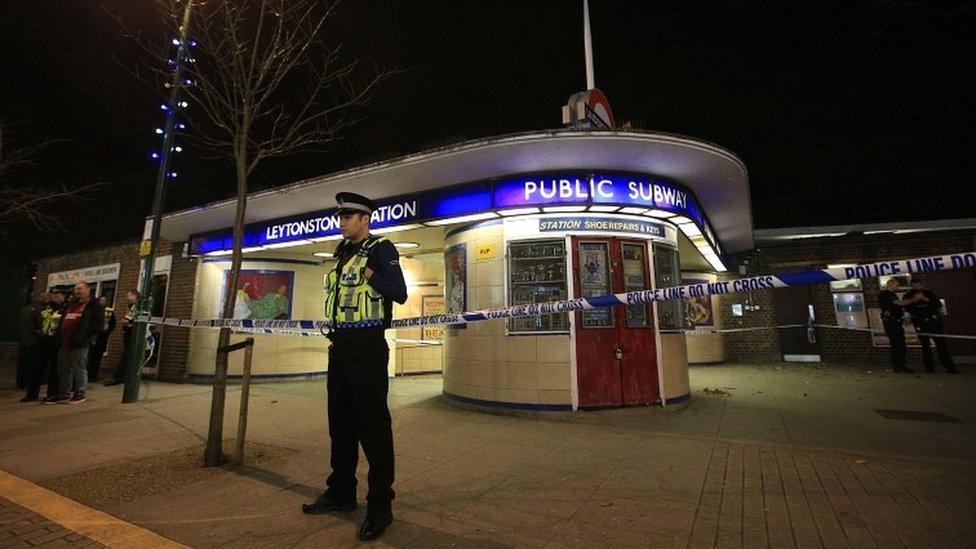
(934, 326)
(358, 414)
(43, 368)
(896, 342)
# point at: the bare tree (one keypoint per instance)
(262, 83)
(22, 199)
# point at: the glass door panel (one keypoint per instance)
(594, 281)
(634, 262)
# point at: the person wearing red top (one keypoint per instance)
(80, 324)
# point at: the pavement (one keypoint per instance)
(766, 455)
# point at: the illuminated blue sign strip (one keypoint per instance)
(548, 189)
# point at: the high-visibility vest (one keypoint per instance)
(50, 318)
(109, 313)
(349, 299)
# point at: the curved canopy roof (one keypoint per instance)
(717, 177)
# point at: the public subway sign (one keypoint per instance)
(600, 224)
(527, 190)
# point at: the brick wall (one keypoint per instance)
(750, 346)
(817, 253)
(178, 303)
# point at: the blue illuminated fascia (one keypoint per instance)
(579, 187)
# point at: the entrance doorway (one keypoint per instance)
(958, 290)
(794, 305)
(616, 358)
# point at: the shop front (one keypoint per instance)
(520, 219)
(103, 280)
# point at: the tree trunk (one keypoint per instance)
(214, 455)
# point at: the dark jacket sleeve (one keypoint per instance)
(387, 277)
(111, 322)
(95, 322)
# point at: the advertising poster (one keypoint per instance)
(698, 310)
(456, 278)
(262, 294)
(432, 305)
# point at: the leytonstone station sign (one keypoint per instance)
(553, 192)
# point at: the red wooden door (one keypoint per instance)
(616, 361)
(638, 362)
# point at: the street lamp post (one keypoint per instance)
(137, 334)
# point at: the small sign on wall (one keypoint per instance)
(486, 251)
(432, 305)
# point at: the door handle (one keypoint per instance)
(618, 353)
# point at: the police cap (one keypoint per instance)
(352, 202)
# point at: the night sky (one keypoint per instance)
(843, 113)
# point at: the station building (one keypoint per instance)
(529, 218)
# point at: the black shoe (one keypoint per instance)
(56, 399)
(28, 398)
(375, 524)
(325, 504)
(952, 371)
(109, 382)
(905, 370)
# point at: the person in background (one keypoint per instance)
(45, 325)
(27, 341)
(927, 317)
(892, 316)
(131, 301)
(80, 324)
(97, 350)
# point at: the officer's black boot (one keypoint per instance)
(378, 518)
(326, 504)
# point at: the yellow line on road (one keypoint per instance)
(96, 525)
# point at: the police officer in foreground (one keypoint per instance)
(359, 296)
(892, 313)
(927, 318)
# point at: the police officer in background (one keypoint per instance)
(892, 313)
(927, 318)
(359, 296)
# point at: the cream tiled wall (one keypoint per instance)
(480, 361)
(425, 276)
(273, 354)
(674, 359)
(704, 348)
(283, 355)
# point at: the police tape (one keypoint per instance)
(688, 332)
(309, 333)
(929, 264)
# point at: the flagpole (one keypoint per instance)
(588, 47)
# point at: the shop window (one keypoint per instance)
(537, 274)
(667, 273)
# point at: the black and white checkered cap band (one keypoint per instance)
(354, 206)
